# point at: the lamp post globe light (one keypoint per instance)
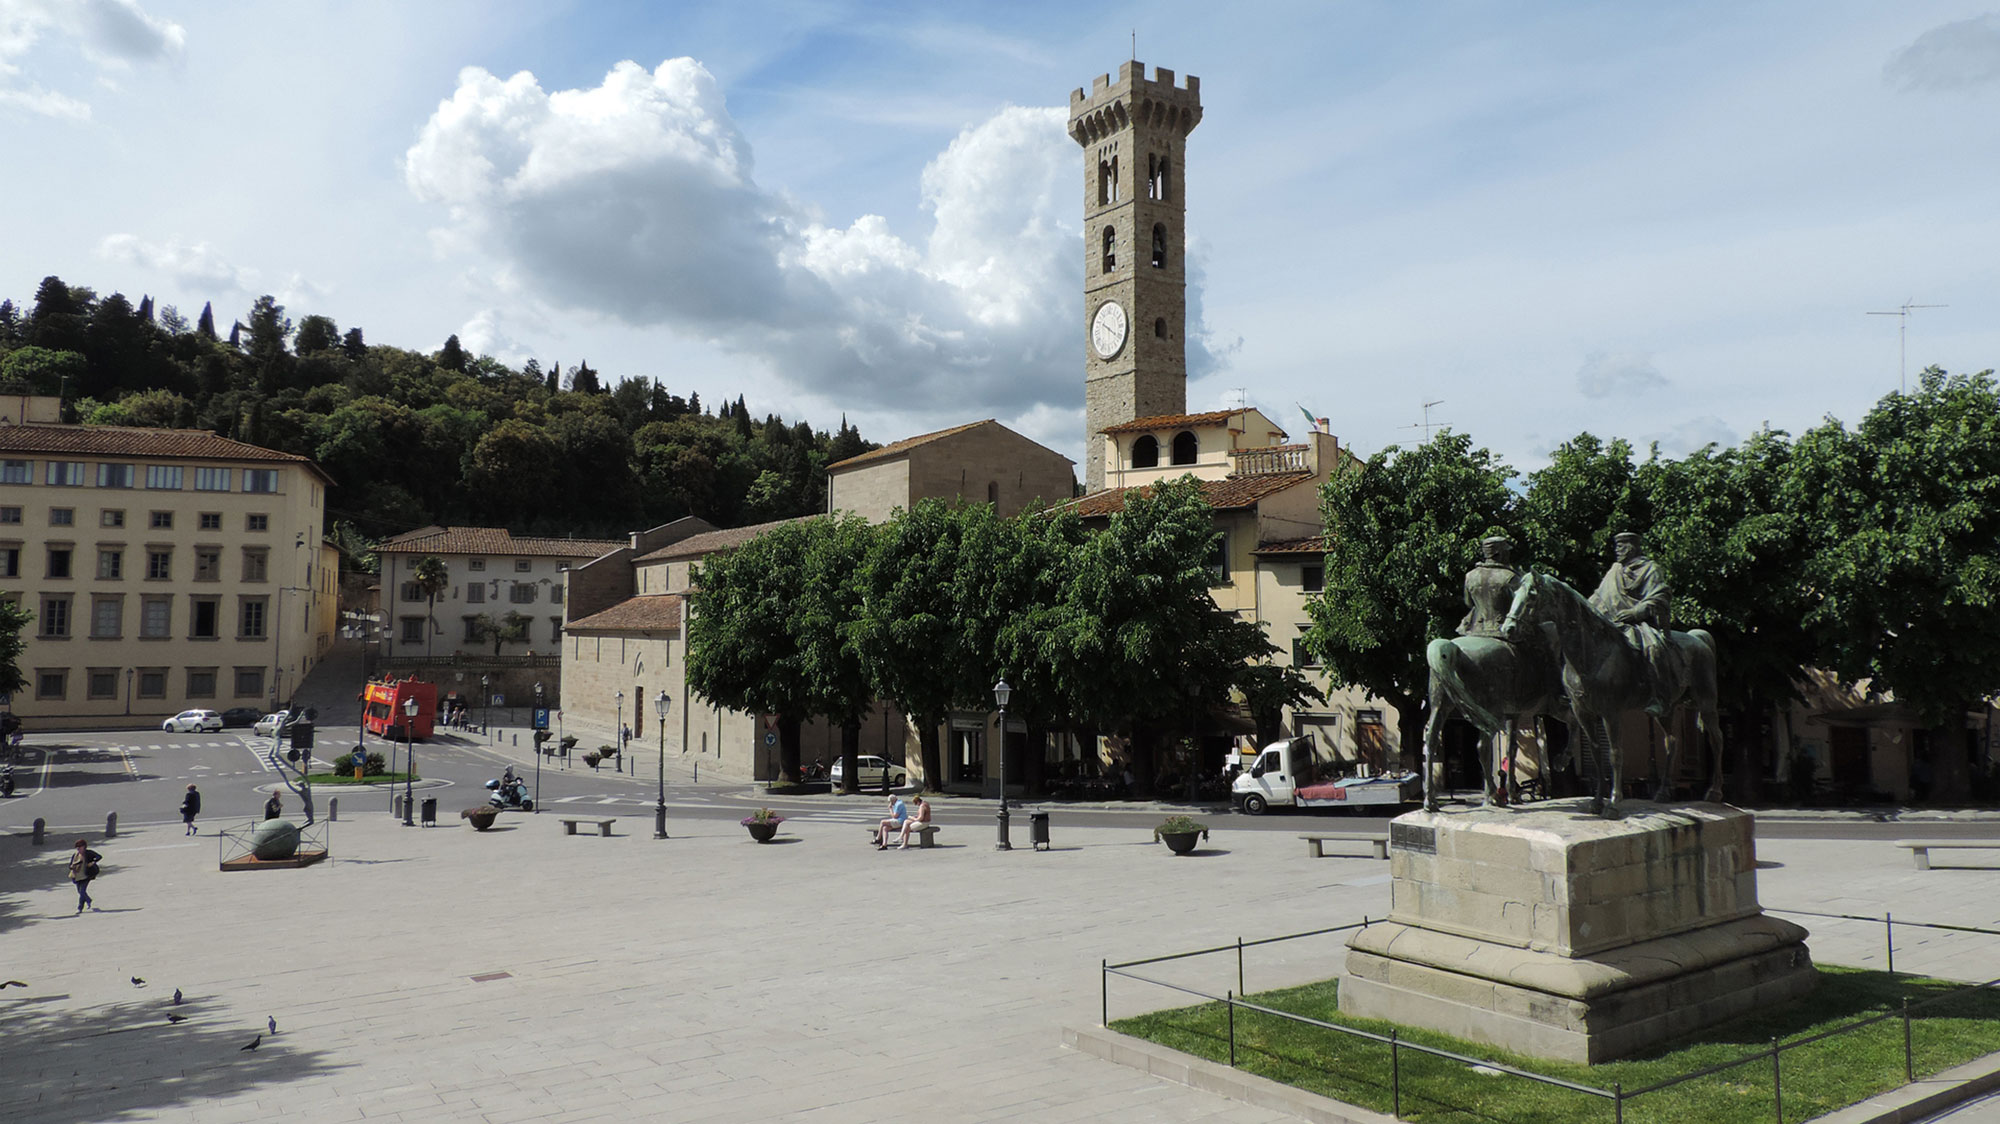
(409, 761)
(538, 754)
(1001, 693)
(661, 704)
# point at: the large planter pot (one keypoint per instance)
(481, 818)
(762, 832)
(274, 839)
(1182, 842)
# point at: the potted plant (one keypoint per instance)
(482, 817)
(1180, 833)
(763, 824)
(591, 759)
(568, 743)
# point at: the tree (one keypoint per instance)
(742, 652)
(353, 346)
(1400, 535)
(1586, 494)
(510, 629)
(510, 470)
(431, 576)
(834, 567)
(46, 371)
(452, 357)
(14, 621)
(205, 324)
(171, 320)
(317, 333)
(583, 380)
(1903, 553)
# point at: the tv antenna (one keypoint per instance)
(1426, 425)
(1902, 315)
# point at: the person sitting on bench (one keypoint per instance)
(898, 812)
(921, 818)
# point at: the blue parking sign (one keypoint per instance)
(541, 718)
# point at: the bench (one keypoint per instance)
(603, 826)
(1922, 848)
(1316, 842)
(925, 834)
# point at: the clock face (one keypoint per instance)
(1107, 329)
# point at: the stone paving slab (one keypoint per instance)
(703, 978)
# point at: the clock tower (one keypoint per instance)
(1134, 136)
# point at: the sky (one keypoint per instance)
(1663, 222)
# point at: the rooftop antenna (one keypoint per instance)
(1242, 397)
(1902, 315)
(1426, 425)
(1135, 44)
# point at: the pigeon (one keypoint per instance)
(253, 1044)
(271, 1022)
(13, 983)
(137, 982)
(177, 1018)
(177, 997)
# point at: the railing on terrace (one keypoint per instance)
(1259, 462)
(1618, 1095)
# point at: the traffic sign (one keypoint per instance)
(541, 718)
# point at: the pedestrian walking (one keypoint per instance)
(274, 807)
(83, 868)
(190, 808)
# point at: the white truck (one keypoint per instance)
(1287, 775)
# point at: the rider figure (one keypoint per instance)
(1635, 596)
(1489, 588)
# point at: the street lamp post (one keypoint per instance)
(1001, 692)
(661, 704)
(538, 754)
(409, 761)
(486, 707)
(618, 727)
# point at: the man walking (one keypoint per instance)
(190, 808)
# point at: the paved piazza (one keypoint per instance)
(704, 978)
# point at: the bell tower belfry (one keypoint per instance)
(1134, 136)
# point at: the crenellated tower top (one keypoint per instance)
(1154, 103)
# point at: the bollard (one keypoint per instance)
(111, 826)
(333, 809)
(41, 826)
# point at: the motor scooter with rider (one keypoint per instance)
(510, 793)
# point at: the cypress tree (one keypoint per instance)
(206, 325)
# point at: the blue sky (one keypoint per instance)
(1660, 222)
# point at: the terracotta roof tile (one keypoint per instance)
(496, 540)
(898, 448)
(1223, 495)
(1312, 545)
(696, 546)
(652, 612)
(134, 441)
(1172, 421)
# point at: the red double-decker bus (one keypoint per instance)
(382, 708)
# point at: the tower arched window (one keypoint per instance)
(1110, 249)
(1152, 176)
(1185, 448)
(1164, 178)
(1159, 245)
(992, 491)
(1103, 182)
(1114, 179)
(1146, 452)
(1160, 327)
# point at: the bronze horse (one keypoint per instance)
(1605, 676)
(1492, 683)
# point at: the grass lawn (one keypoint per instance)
(348, 778)
(1817, 1078)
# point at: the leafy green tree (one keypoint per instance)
(205, 323)
(431, 576)
(1903, 553)
(513, 470)
(452, 357)
(1587, 493)
(834, 566)
(742, 649)
(353, 345)
(14, 621)
(509, 629)
(316, 334)
(44, 370)
(1400, 534)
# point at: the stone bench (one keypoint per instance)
(926, 835)
(1316, 842)
(1922, 848)
(603, 825)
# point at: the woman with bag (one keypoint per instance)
(83, 868)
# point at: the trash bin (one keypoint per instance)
(1038, 830)
(430, 810)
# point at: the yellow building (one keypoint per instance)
(167, 569)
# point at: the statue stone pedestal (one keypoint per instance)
(1558, 934)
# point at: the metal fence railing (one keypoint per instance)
(1618, 1096)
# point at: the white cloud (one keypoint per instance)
(196, 266)
(638, 199)
(1604, 374)
(112, 34)
(1953, 56)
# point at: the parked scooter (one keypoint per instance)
(510, 793)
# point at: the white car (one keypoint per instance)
(192, 721)
(868, 771)
(271, 723)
